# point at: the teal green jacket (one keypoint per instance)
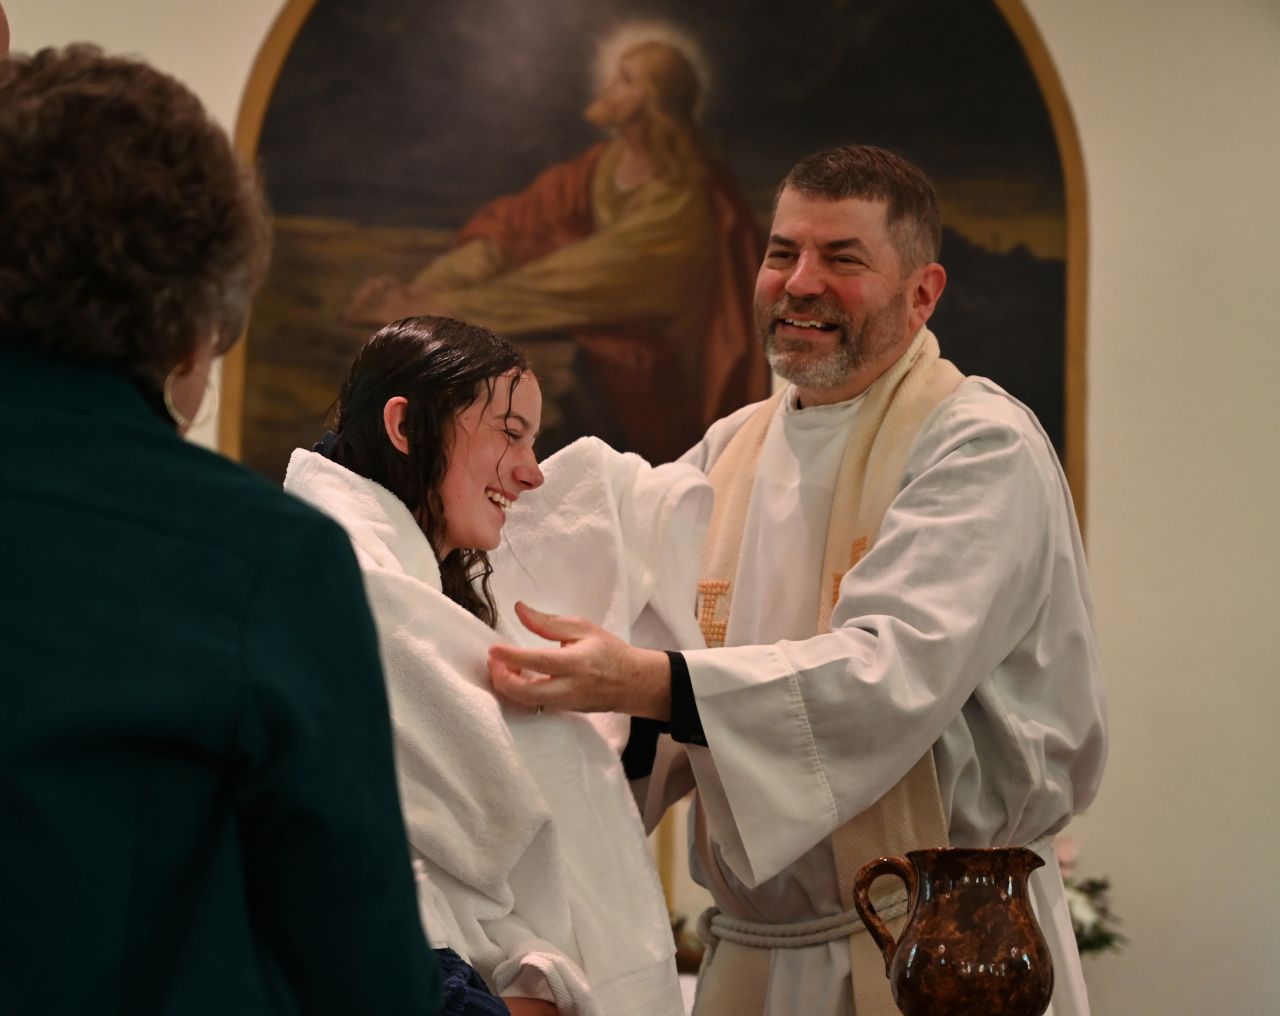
(198, 808)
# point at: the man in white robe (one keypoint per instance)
(954, 650)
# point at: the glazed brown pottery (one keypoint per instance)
(971, 946)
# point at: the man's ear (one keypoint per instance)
(393, 422)
(930, 281)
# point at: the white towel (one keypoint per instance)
(610, 538)
(536, 869)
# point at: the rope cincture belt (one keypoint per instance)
(716, 926)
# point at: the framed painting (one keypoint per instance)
(470, 157)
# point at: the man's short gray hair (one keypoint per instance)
(877, 174)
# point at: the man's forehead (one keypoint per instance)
(824, 219)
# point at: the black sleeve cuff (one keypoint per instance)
(642, 747)
(686, 724)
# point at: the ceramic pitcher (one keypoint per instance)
(971, 945)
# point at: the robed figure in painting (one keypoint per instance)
(642, 249)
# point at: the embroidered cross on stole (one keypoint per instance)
(909, 815)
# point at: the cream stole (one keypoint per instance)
(909, 815)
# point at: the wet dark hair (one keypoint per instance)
(876, 174)
(441, 367)
(131, 228)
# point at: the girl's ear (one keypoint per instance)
(393, 422)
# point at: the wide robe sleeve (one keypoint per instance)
(326, 863)
(968, 618)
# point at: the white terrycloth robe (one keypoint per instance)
(536, 870)
(967, 627)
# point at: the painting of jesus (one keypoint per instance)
(642, 250)
(594, 179)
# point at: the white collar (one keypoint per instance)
(832, 414)
(379, 524)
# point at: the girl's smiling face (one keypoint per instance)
(491, 462)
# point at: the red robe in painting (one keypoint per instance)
(661, 410)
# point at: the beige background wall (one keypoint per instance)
(1177, 106)
(1176, 102)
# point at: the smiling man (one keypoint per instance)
(840, 296)
(901, 650)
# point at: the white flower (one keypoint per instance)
(1083, 914)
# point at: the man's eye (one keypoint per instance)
(779, 255)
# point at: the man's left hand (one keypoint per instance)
(592, 671)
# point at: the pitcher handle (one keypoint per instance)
(867, 874)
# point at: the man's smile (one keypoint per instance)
(825, 326)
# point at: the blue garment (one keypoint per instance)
(465, 993)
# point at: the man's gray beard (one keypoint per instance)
(796, 363)
(793, 360)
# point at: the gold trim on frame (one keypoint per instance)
(1070, 152)
(253, 108)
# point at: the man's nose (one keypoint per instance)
(806, 278)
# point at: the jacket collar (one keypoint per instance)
(28, 378)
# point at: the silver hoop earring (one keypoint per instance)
(175, 414)
(208, 402)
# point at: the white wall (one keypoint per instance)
(1176, 101)
(210, 46)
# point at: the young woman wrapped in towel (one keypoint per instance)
(534, 874)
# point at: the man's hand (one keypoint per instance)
(591, 672)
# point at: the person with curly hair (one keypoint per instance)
(196, 780)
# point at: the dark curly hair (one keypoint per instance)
(441, 366)
(131, 228)
(876, 174)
